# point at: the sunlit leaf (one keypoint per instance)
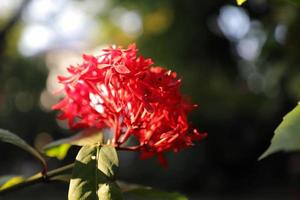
(8, 137)
(60, 148)
(10, 181)
(287, 134)
(109, 191)
(94, 174)
(5, 178)
(60, 151)
(240, 2)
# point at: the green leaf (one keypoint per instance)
(60, 148)
(109, 191)
(287, 134)
(240, 2)
(94, 174)
(148, 193)
(5, 178)
(9, 181)
(8, 137)
(59, 151)
(108, 161)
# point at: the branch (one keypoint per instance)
(38, 178)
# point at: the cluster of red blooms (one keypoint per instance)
(124, 92)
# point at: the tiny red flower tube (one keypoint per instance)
(127, 94)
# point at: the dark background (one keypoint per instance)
(240, 64)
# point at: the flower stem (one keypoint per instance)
(38, 178)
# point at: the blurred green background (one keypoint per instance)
(240, 64)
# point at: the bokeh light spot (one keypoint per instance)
(36, 38)
(234, 22)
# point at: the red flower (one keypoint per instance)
(123, 92)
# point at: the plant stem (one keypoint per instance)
(53, 175)
(38, 178)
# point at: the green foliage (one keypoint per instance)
(94, 171)
(5, 178)
(109, 191)
(10, 180)
(240, 2)
(60, 148)
(287, 134)
(8, 137)
(57, 150)
(94, 174)
(108, 162)
(11, 183)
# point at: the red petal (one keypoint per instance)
(108, 77)
(117, 59)
(89, 58)
(60, 104)
(122, 69)
(102, 66)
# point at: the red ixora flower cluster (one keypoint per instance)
(125, 93)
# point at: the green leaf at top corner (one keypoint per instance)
(60, 148)
(94, 174)
(9, 137)
(287, 134)
(240, 2)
